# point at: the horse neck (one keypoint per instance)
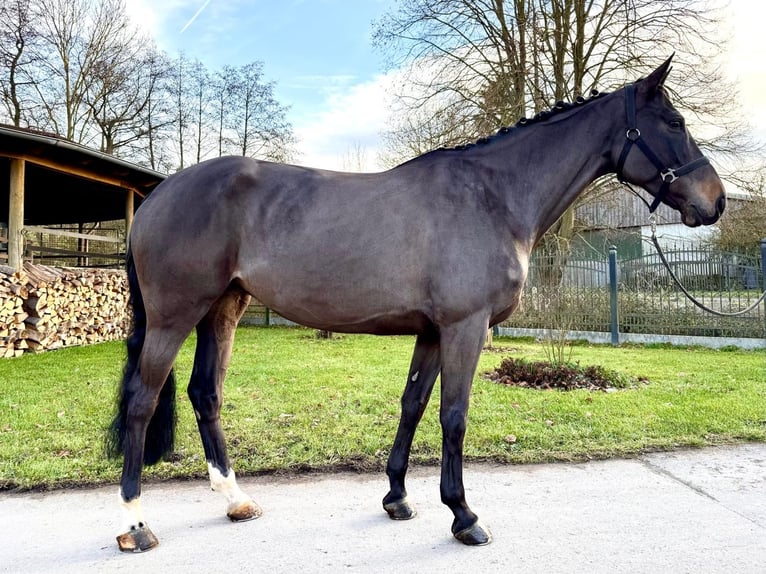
(553, 162)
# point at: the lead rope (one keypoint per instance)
(668, 176)
(653, 223)
(656, 243)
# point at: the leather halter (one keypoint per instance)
(633, 136)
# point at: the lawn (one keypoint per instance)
(294, 402)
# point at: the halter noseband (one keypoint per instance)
(633, 136)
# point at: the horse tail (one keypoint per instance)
(160, 434)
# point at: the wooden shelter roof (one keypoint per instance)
(66, 182)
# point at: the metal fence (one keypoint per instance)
(577, 296)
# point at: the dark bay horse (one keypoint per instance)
(437, 247)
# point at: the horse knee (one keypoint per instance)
(454, 423)
(413, 410)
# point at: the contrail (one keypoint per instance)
(193, 18)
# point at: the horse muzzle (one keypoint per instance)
(694, 215)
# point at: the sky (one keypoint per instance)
(320, 54)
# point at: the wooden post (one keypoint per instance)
(82, 246)
(16, 215)
(129, 211)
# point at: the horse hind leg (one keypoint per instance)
(150, 384)
(215, 336)
(424, 369)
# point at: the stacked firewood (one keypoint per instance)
(13, 291)
(44, 308)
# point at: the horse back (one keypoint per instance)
(389, 252)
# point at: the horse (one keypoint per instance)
(437, 247)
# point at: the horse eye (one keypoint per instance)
(676, 124)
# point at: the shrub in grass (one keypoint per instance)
(564, 376)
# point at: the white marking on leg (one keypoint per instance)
(132, 514)
(227, 485)
(415, 376)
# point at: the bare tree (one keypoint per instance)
(480, 65)
(120, 88)
(355, 158)
(17, 38)
(743, 225)
(497, 60)
(80, 69)
(154, 128)
(258, 122)
(178, 89)
(417, 131)
(223, 88)
(202, 92)
(76, 37)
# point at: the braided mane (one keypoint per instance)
(542, 116)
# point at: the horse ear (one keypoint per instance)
(656, 79)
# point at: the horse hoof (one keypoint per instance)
(246, 511)
(474, 535)
(400, 509)
(137, 540)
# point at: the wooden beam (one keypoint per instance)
(16, 215)
(61, 232)
(76, 170)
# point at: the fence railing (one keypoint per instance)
(584, 295)
(61, 247)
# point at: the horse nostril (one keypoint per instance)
(721, 204)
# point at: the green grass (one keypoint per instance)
(295, 402)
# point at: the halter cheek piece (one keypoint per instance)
(633, 135)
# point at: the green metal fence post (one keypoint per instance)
(763, 273)
(615, 325)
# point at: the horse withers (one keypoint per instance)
(437, 247)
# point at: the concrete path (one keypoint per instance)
(700, 511)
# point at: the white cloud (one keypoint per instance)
(745, 59)
(351, 120)
(149, 15)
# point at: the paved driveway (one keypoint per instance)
(701, 511)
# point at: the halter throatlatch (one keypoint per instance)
(633, 136)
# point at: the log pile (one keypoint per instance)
(43, 308)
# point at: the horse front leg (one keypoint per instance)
(461, 346)
(215, 337)
(424, 368)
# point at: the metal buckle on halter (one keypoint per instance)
(633, 134)
(653, 223)
(668, 176)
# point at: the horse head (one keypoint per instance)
(667, 162)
